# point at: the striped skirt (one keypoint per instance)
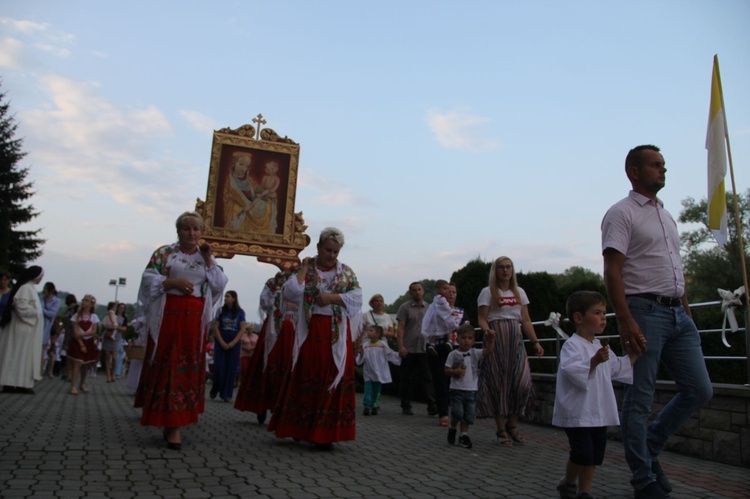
(505, 377)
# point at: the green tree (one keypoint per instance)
(428, 285)
(708, 266)
(470, 280)
(17, 247)
(578, 279)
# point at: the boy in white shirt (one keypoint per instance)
(584, 399)
(462, 365)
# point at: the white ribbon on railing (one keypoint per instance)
(730, 300)
(554, 321)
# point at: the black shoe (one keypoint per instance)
(661, 478)
(584, 495)
(325, 447)
(406, 411)
(651, 491)
(567, 490)
(262, 417)
(464, 441)
(366, 412)
(374, 411)
(174, 446)
(213, 393)
(432, 411)
(9, 389)
(451, 436)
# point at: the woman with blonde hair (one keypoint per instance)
(317, 403)
(377, 316)
(505, 390)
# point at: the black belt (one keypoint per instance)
(664, 300)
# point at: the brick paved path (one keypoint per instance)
(56, 445)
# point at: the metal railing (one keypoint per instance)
(553, 344)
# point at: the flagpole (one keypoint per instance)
(737, 218)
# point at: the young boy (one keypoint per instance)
(585, 400)
(438, 321)
(375, 355)
(462, 365)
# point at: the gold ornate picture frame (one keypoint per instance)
(250, 199)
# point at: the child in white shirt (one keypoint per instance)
(462, 365)
(584, 399)
(439, 321)
(375, 354)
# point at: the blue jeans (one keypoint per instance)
(372, 394)
(671, 338)
(463, 407)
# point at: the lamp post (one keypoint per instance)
(117, 283)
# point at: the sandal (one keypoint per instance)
(515, 434)
(73, 391)
(503, 439)
(84, 389)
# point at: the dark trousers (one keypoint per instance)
(415, 369)
(440, 380)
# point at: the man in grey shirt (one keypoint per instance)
(411, 348)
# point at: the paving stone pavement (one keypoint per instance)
(56, 445)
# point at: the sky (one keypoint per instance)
(431, 132)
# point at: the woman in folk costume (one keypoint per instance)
(317, 403)
(179, 289)
(251, 394)
(21, 334)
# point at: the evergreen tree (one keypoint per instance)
(17, 247)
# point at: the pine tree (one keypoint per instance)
(17, 247)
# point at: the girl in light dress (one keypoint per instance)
(375, 354)
(83, 350)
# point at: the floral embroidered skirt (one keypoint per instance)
(306, 409)
(172, 387)
(260, 388)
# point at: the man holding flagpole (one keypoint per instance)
(645, 283)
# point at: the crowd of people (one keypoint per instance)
(300, 367)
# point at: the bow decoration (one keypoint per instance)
(554, 321)
(729, 301)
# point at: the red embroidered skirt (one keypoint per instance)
(260, 388)
(250, 392)
(172, 387)
(91, 356)
(306, 409)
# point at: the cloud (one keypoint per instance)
(459, 129)
(199, 121)
(117, 247)
(59, 51)
(79, 138)
(46, 40)
(11, 53)
(23, 26)
(329, 191)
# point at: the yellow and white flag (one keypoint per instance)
(717, 160)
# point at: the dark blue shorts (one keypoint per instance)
(587, 445)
